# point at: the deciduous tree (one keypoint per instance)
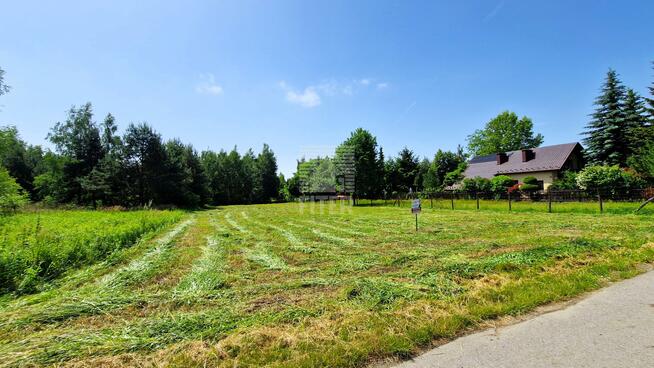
(504, 133)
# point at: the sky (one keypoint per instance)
(301, 75)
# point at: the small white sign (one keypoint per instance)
(415, 206)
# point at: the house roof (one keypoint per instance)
(547, 158)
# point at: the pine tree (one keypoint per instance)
(634, 122)
(407, 165)
(4, 88)
(605, 136)
(650, 102)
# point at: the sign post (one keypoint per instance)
(416, 209)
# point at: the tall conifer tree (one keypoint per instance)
(605, 134)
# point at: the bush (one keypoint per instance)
(455, 176)
(530, 184)
(501, 183)
(567, 181)
(530, 180)
(12, 196)
(608, 178)
(477, 185)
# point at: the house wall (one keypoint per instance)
(546, 176)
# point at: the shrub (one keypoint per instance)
(501, 183)
(477, 184)
(455, 176)
(530, 184)
(567, 181)
(12, 196)
(608, 178)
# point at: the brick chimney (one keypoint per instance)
(501, 158)
(528, 154)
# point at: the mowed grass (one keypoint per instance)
(307, 285)
(608, 207)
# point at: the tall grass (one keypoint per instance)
(38, 247)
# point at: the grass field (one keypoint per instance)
(609, 207)
(315, 285)
(40, 246)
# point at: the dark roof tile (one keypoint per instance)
(545, 159)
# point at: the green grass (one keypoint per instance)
(609, 207)
(39, 247)
(306, 285)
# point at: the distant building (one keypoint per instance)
(543, 163)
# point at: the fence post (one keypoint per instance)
(477, 198)
(509, 193)
(452, 199)
(549, 201)
(599, 197)
(431, 201)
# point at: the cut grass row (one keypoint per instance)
(39, 247)
(286, 285)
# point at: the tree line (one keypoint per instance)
(619, 153)
(93, 165)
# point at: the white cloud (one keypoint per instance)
(307, 98)
(312, 95)
(208, 85)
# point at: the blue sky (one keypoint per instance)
(300, 75)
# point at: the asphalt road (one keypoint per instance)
(613, 327)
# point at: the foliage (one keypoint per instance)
(529, 184)
(607, 178)
(455, 175)
(567, 181)
(643, 161)
(12, 196)
(444, 162)
(19, 158)
(266, 175)
(501, 183)
(613, 122)
(368, 166)
(504, 133)
(477, 185)
(650, 102)
(4, 88)
(407, 170)
(634, 123)
(317, 175)
(78, 139)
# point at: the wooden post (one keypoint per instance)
(416, 222)
(452, 199)
(509, 193)
(599, 197)
(477, 198)
(431, 201)
(549, 201)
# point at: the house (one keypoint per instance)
(543, 163)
